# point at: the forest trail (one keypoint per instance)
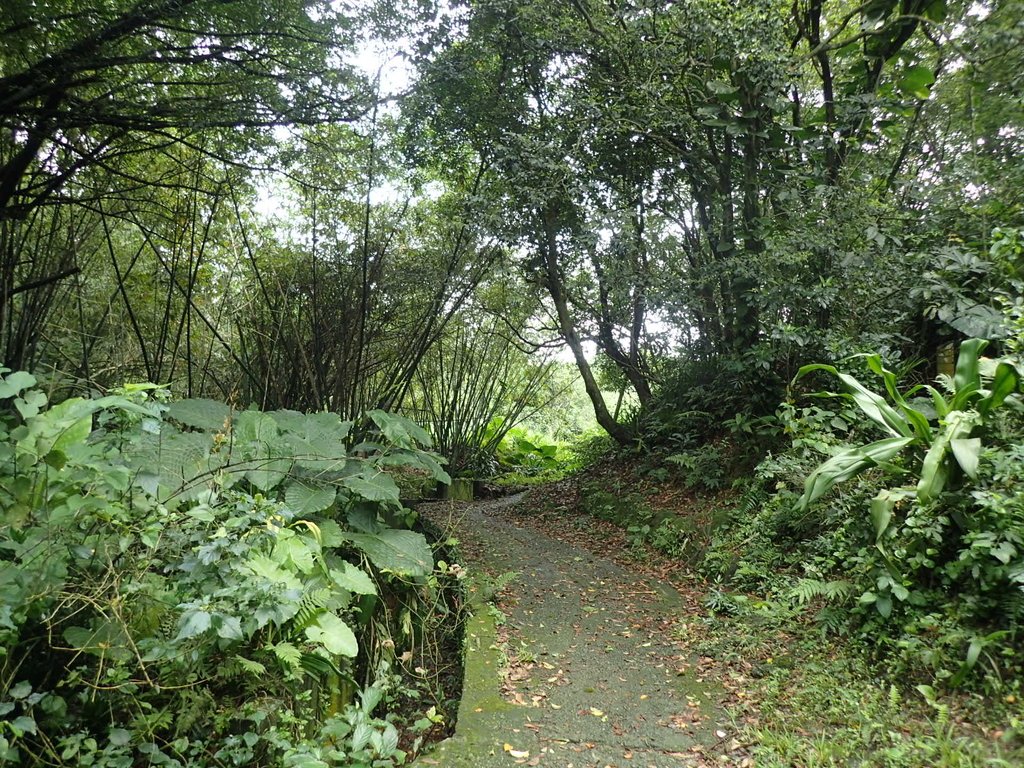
(575, 665)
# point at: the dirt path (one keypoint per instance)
(575, 666)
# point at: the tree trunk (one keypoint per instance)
(618, 432)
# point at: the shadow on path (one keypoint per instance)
(594, 678)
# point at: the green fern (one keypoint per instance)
(1011, 605)
(195, 706)
(250, 666)
(807, 590)
(832, 620)
(311, 606)
(289, 656)
(752, 500)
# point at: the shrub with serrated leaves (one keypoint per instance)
(184, 584)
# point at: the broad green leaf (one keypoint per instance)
(881, 512)
(307, 760)
(884, 605)
(388, 740)
(331, 535)
(307, 499)
(974, 652)
(398, 551)
(317, 440)
(256, 428)
(935, 468)
(934, 472)
(120, 737)
(963, 398)
(1005, 382)
(922, 428)
(917, 81)
(967, 451)
(31, 404)
(334, 635)
(418, 460)
(106, 639)
(353, 579)
(373, 485)
(180, 457)
(936, 10)
(228, 627)
(720, 88)
(23, 724)
(15, 383)
(967, 369)
(938, 402)
(74, 434)
(267, 473)
(400, 430)
(193, 623)
(269, 569)
(873, 405)
(847, 464)
(20, 690)
(876, 408)
(267, 454)
(318, 665)
(201, 413)
(1004, 552)
(295, 551)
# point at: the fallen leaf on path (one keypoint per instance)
(519, 754)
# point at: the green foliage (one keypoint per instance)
(531, 453)
(814, 703)
(704, 468)
(700, 397)
(970, 291)
(948, 449)
(186, 584)
(916, 539)
(474, 388)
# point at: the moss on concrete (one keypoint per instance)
(604, 685)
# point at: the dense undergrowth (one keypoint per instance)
(866, 574)
(184, 584)
(918, 554)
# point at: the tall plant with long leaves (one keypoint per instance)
(944, 430)
(925, 530)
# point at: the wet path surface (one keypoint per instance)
(575, 665)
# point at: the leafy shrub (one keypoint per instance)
(182, 584)
(699, 398)
(702, 468)
(588, 449)
(922, 547)
(530, 453)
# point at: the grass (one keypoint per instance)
(801, 699)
